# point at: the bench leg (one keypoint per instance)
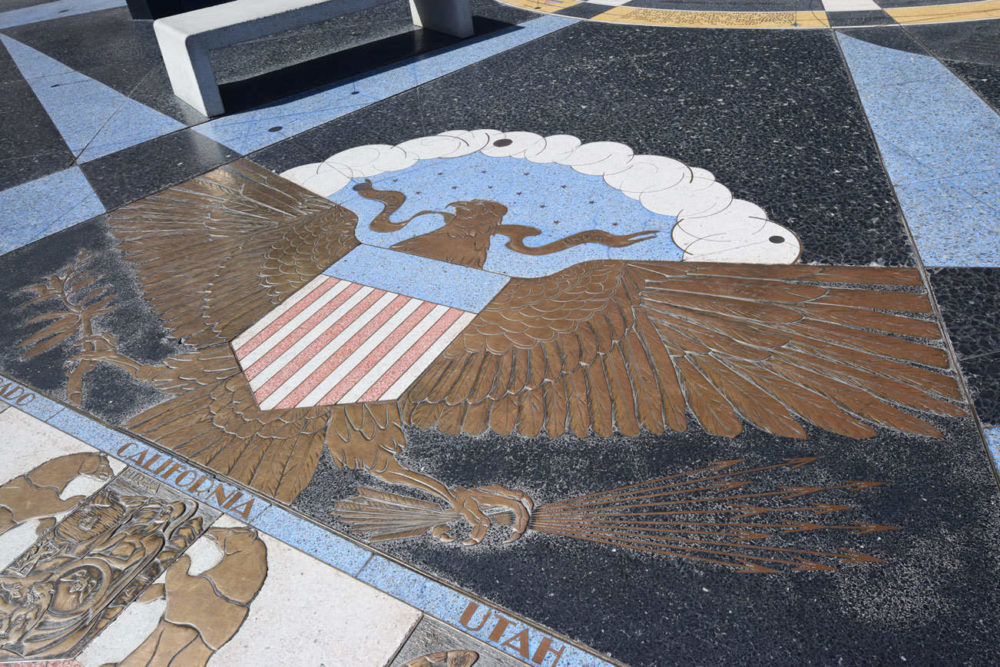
(452, 17)
(190, 71)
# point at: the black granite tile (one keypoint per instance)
(811, 6)
(128, 45)
(787, 128)
(983, 376)
(876, 224)
(984, 79)
(971, 41)
(23, 168)
(20, 4)
(313, 56)
(30, 145)
(403, 44)
(970, 306)
(368, 127)
(584, 10)
(930, 596)
(112, 394)
(126, 58)
(141, 170)
(862, 18)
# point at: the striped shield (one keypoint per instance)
(362, 331)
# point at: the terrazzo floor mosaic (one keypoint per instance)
(619, 333)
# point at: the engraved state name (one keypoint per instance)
(15, 394)
(509, 634)
(198, 484)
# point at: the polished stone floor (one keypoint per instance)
(647, 332)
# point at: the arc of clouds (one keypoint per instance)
(711, 225)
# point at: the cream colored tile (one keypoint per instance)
(310, 614)
(305, 613)
(25, 444)
(124, 635)
(850, 5)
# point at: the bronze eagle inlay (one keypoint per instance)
(601, 347)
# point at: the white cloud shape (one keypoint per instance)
(711, 225)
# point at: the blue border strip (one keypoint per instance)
(499, 629)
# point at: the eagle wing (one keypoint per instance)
(213, 255)
(607, 346)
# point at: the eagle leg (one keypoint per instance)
(369, 437)
(480, 507)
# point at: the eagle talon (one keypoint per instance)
(473, 505)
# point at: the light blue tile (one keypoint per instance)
(132, 124)
(23, 398)
(252, 130)
(418, 277)
(879, 65)
(44, 206)
(313, 540)
(580, 203)
(984, 186)
(33, 64)
(902, 166)
(93, 119)
(53, 10)
(449, 605)
(90, 431)
(950, 226)
(993, 443)
(937, 118)
(937, 138)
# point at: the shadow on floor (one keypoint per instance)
(265, 89)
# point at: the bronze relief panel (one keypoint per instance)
(81, 575)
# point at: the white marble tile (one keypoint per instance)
(26, 442)
(850, 5)
(124, 635)
(307, 613)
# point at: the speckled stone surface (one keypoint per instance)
(982, 78)
(993, 443)
(115, 396)
(906, 94)
(46, 205)
(141, 170)
(915, 604)
(970, 306)
(779, 117)
(706, 120)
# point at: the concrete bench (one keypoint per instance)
(186, 39)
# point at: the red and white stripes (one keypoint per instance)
(335, 341)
